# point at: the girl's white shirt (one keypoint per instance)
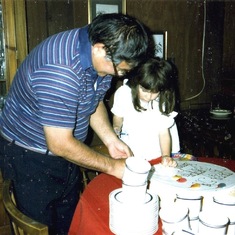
(140, 130)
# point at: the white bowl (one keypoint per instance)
(220, 112)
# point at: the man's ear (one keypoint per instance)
(98, 50)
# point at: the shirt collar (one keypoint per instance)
(85, 52)
(85, 48)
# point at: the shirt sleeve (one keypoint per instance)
(122, 98)
(166, 122)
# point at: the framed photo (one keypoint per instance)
(97, 7)
(160, 44)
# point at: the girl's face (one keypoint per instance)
(146, 95)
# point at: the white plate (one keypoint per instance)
(220, 112)
(228, 117)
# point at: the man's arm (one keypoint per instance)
(100, 123)
(60, 141)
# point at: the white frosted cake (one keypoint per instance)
(191, 178)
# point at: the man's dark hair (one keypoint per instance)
(124, 37)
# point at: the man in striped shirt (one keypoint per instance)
(56, 94)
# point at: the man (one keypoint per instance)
(56, 93)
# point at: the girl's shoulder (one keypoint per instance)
(124, 85)
(124, 89)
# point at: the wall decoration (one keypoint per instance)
(160, 41)
(96, 7)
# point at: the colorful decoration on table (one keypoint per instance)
(183, 157)
(181, 180)
(195, 185)
(176, 177)
(221, 185)
(232, 192)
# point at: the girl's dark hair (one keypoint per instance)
(155, 75)
(124, 37)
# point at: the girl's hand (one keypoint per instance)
(168, 161)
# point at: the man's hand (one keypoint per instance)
(119, 149)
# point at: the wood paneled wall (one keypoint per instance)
(185, 22)
(14, 19)
(199, 71)
(229, 40)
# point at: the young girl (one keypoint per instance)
(143, 113)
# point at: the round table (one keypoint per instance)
(92, 213)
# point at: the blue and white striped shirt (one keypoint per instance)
(54, 86)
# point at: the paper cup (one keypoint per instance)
(212, 223)
(231, 228)
(194, 204)
(134, 194)
(136, 171)
(194, 222)
(225, 204)
(174, 219)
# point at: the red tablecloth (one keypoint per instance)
(92, 213)
(230, 164)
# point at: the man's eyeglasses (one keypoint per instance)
(118, 71)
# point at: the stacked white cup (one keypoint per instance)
(194, 204)
(174, 219)
(225, 205)
(134, 209)
(134, 182)
(211, 222)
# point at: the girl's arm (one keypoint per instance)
(165, 144)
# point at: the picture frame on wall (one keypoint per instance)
(160, 44)
(97, 7)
